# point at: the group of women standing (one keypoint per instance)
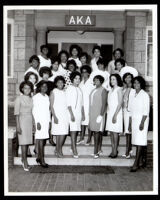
(65, 95)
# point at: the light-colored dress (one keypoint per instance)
(112, 106)
(61, 112)
(139, 107)
(23, 108)
(75, 100)
(44, 62)
(105, 75)
(41, 115)
(78, 62)
(94, 65)
(86, 88)
(128, 94)
(95, 105)
(62, 68)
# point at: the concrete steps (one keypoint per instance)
(81, 161)
(82, 150)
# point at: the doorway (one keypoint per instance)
(58, 40)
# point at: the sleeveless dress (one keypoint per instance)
(112, 106)
(61, 111)
(95, 104)
(75, 100)
(23, 108)
(42, 115)
(86, 88)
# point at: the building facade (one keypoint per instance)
(127, 29)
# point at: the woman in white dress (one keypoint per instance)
(75, 52)
(76, 109)
(139, 120)
(114, 122)
(97, 54)
(42, 118)
(117, 53)
(63, 57)
(60, 121)
(86, 87)
(44, 59)
(128, 93)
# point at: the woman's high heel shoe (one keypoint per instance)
(25, 169)
(38, 161)
(133, 169)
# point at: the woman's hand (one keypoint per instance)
(114, 119)
(18, 130)
(99, 119)
(38, 126)
(83, 117)
(141, 126)
(55, 120)
(72, 118)
(130, 128)
(34, 128)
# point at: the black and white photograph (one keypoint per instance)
(80, 96)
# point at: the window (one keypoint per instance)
(10, 48)
(149, 55)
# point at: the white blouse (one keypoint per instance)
(44, 62)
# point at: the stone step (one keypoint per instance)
(106, 140)
(81, 161)
(82, 149)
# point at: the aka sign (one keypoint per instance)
(80, 20)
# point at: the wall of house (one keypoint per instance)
(130, 27)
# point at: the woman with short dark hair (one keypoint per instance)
(24, 120)
(97, 109)
(60, 122)
(86, 87)
(63, 57)
(75, 52)
(117, 54)
(128, 92)
(44, 59)
(41, 113)
(114, 122)
(33, 78)
(139, 119)
(97, 54)
(71, 67)
(75, 105)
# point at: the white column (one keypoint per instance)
(41, 38)
(118, 38)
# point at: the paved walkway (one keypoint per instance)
(122, 180)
